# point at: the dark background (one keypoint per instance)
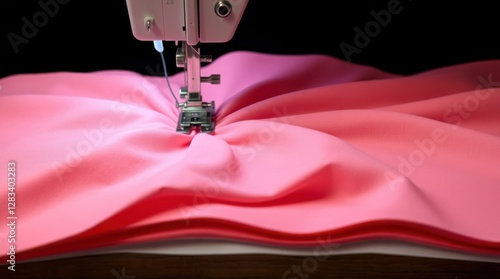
(90, 35)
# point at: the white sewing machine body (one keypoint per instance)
(190, 22)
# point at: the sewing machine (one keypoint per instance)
(190, 22)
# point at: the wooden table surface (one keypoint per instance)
(138, 266)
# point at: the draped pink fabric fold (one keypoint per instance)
(307, 149)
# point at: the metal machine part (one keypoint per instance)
(194, 112)
(190, 22)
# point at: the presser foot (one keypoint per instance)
(198, 118)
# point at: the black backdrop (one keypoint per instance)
(91, 35)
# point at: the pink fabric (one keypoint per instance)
(307, 149)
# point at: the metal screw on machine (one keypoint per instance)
(148, 22)
(212, 79)
(180, 58)
(223, 9)
(183, 92)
